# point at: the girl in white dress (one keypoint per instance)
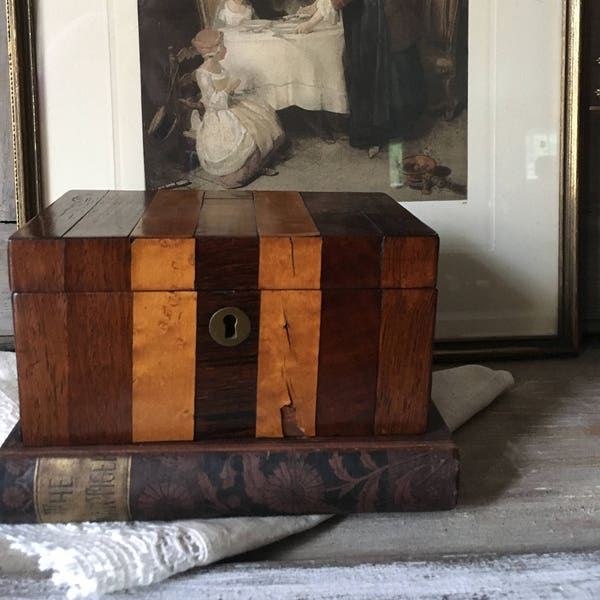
(232, 13)
(236, 138)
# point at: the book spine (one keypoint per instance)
(71, 487)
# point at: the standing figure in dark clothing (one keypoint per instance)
(384, 75)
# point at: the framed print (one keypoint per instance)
(465, 111)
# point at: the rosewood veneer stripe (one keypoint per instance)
(405, 351)
(99, 329)
(226, 376)
(351, 253)
(348, 359)
(43, 367)
(227, 248)
(164, 364)
(288, 357)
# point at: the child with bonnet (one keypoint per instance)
(237, 137)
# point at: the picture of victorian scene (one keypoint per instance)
(323, 95)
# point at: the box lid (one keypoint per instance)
(103, 241)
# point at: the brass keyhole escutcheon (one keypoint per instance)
(229, 326)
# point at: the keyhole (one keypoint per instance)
(230, 323)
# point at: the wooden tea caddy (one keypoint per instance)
(190, 316)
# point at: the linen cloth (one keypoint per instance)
(98, 558)
(286, 69)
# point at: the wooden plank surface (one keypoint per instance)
(36, 252)
(114, 216)
(61, 215)
(164, 362)
(348, 359)
(405, 356)
(283, 214)
(227, 248)
(100, 362)
(287, 362)
(170, 214)
(226, 377)
(43, 367)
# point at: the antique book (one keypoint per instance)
(178, 480)
(258, 315)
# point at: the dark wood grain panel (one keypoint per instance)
(170, 214)
(227, 217)
(43, 367)
(61, 215)
(283, 214)
(227, 263)
(391, 217)
(405, 356)
(226, 376)
(409, 262)
(97, 264)
(115, 215)
(351, 256)
(36, 265)
(348, 359)
(100, 367)
(227, 247)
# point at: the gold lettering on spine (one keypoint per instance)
(82, 489)
(164, 366)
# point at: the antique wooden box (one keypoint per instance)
(186, 315)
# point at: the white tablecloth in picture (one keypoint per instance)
(304, 70)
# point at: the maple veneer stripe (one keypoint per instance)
(164, 365)
(288, 358)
